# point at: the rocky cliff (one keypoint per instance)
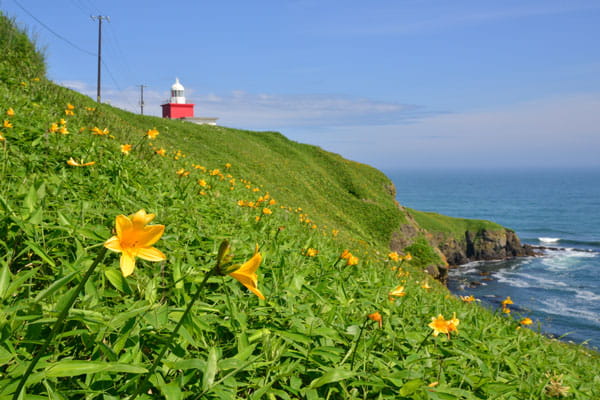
(482, 244)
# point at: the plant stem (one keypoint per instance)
(58, 325)
(426, 337)
(362, 328)
(141, 387)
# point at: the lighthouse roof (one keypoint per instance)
(177, 85)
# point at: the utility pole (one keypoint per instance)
(99, 18)
(142, 98)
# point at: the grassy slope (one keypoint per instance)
(450, 226)
(300, 342)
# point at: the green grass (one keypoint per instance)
(309, 339)
(450, 226)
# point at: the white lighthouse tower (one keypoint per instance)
(177, 93)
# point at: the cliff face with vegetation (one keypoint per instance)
(464, 240)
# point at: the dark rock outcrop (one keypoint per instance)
(482, 245)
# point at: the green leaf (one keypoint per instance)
(332, 375)
(115, 277)
(31, 200)
(40, 252)
(411, 386)
(211, 369)
(4, 280)
(73, 368)
(55, 286)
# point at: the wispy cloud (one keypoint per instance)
(265, 111)
(557, 131)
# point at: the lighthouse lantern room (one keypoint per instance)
(177, 108)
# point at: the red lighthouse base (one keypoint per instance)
(175, 111)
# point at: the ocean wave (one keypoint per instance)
(548, 239)
(557, 307)
(523, 280)
(586, 295)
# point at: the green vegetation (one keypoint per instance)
(310, 338)
(450, 226)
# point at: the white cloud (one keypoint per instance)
(559, 131)
(265, 111)
(556, 131)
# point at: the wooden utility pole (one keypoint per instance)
(99, 18)
(142, 98)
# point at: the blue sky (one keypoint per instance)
(395, 84)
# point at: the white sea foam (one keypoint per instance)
(557, 307)
(504, 278)
(586, 295)
(548, 239)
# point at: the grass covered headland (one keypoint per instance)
(157, 259)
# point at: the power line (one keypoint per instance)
(64, 39)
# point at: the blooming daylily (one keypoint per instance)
(74, 163)
(526, 321)
(345, 254)
(441, 325)
(394, 256)
(246, 274)
(310, 252)
(352, 260)
(125, 149)
(152, 133)
(10, 112)
(7, 124)
(135, 238)
(398, 292)
(507, 301)
(267, 211)
(376, 316)
(468, 299)
(453, 324)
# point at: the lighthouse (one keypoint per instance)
(177, 108)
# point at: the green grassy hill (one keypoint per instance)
(315, 335)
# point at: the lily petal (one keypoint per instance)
(151, 254)
(127, 264)
(150, 235)
(250, 266)
(113, 244)
(122, 224)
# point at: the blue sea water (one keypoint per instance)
(560, 290)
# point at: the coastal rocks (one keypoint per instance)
(482, 245)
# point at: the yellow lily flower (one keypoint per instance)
(376, 316)
(135, 239)
(439, 325)
(7, 124)
(125, 149)
(398, 292)
(152, 133)
(526, 321)
(74, 163)
(352, 260)
(246, 274)
(10, 112)
(394, 256)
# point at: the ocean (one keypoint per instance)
(558, 209)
